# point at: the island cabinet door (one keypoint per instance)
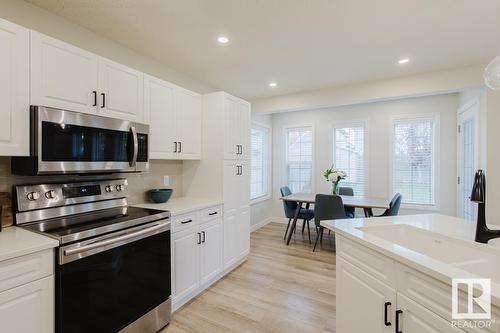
(414, 318)
(363, 303)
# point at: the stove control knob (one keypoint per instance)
(32, 196)
(108, 188)
(120, 188)
(50, 194)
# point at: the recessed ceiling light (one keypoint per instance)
(404, 61)
(223, 40)
(272, 84)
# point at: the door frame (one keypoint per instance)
(473, 105)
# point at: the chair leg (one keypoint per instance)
(287, 227)
(308, 231)
(321, 235)
(316, 242)
(303, 225)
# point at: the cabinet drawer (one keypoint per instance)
(17, 271)
(436, 296)
(184, 221)
(210, 214)
(372, 262)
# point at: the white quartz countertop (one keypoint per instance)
(16, 242)
(450, 227)
(181, 205)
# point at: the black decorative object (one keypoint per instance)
(478, 195)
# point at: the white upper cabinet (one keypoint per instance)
(62, 76)
(160, 112)
(175, 117)
(14, 89)
(120, 91)
(237, 128)
(66, 77)
(188, 109)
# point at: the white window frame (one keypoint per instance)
(268, 195)
(435, 117)
(313, 152)
(354, 123)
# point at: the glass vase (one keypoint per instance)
(335, 188)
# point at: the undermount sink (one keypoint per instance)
(455, 252)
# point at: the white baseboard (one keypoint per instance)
(267, 221)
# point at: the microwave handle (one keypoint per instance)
(136, 146)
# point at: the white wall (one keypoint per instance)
(378, 117)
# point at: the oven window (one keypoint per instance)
(109, 290)
(66, 143)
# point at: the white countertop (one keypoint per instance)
(447, 226)
(16, 242)
(181, 205)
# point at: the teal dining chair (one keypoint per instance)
(326, 207)
(349, 211)
(394, 206)
(290, 207)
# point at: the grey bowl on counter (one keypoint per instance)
(160, 195)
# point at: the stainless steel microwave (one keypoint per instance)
(66, 142)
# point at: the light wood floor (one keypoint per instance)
(279, 289)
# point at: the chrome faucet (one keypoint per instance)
(483, 233)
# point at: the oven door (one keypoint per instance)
(72, 142)
(107, 283)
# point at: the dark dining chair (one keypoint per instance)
(393, 206)
(326, 207)
(349, 211)
(290, 207)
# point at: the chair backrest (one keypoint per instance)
(328, 207)
(394, 205)
(346, 191)
(288, 206)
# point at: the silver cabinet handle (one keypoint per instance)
(136, 146)
(109, 241)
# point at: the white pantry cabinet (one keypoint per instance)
(175, 117)
(66, 77)
(391, 297)
(14, 89)
(237, 128)
(197, 244)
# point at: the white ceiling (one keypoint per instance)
(301, 44)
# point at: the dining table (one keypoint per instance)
(363, 202)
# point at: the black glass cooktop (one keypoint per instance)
(81, 226)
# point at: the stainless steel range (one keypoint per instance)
(113, 262)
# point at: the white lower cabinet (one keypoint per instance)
(28, 308)
(196, 254)
(377, 294)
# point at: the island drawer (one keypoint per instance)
(184, 221)
(210, 213)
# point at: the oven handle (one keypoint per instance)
(136, 146)
(113, 240)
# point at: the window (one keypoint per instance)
(349, 156)
(260, 162)
(414, 160)
(299, 157)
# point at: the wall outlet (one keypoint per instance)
(166, 180)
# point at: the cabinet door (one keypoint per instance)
(244, 125)
(243, 232)
(160, 113)
(188, 109)
(232, 199)
(28, 308)
(417, 319)
(244, 184)
(185, 257)
(231, 128)
(211, 251)
(120, 91)
(14, 89)
(62, 76)
(230, 240)
(361, 301)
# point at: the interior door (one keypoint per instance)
(362, 301)
(14, 89)
(468, 157)
(62, 76)
(160, 110)
(120, 91)
(188, 105)
(417, 319)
